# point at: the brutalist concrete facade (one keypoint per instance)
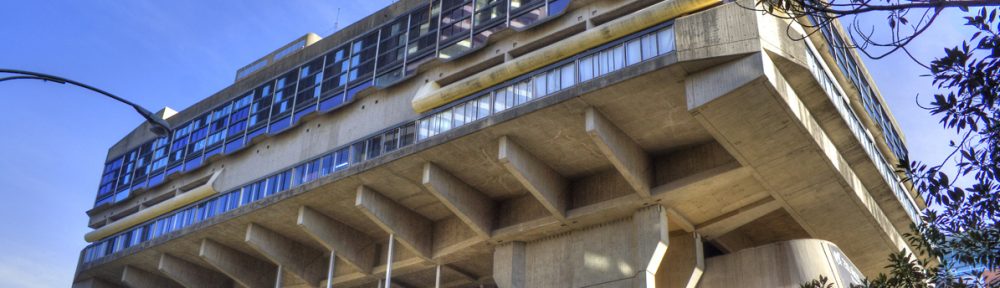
(676, 143)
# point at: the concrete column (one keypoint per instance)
(189, 274)
(509, 265)
(138, 278)
(684, 263)
(652, 240)
(242, 268)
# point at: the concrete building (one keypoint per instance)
(518, 143)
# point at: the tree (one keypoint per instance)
(963, 187)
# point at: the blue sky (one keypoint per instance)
(174, 53)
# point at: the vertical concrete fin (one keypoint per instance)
(351, 245)
(300, 260)
(242, 268)
(509, 265)
(189, 274)
(684, 263)
(411, 229)
(624, 153)
(138, 278)
(538, 178)
(471, 206)
(653, 238)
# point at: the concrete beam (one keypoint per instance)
(242, 268)
(411, 229)
(509, 265)
(138, 278)
(189, 274)
(539, 179)
(680, 220)
(730, 221)
(471, 206)
(300, 260)
(351, 245)
(652, 233)
(684, 262)
(625, 155)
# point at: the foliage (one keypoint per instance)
(964, 188)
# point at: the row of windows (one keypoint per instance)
(846, 62)
(548, 81)
(381, 57)
(858, 130)
(497, 99)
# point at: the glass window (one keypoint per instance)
(666, 40)
(341, 159)
(633, 52)
(649, 47)
(586, 68)
(567, 77)
(406, 135)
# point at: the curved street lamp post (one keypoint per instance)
(159, 126)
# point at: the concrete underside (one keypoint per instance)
(734, 158)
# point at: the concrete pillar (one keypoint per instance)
(623, 253)
(684, 263)
(189, 274)
(137, 278)
(509, 265)
(652, 239)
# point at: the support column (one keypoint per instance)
(138, 278)
(684, 263)
(242, 268)
(652, 235)
(509, 265)
(189, 274)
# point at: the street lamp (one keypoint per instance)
(159, 127)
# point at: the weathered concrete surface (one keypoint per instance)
(707, 167)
